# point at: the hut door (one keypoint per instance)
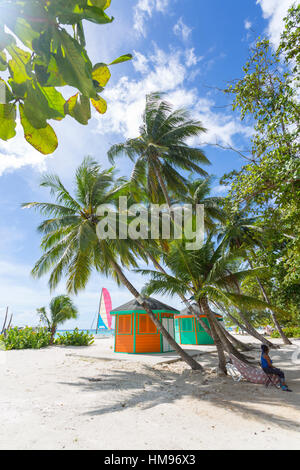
(168, 323)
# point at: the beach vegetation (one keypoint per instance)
(26, 338)
(61, 309)
(290, 332)
(74, 338)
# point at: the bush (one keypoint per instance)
(75, 338)
(290, 332)
(26, 338)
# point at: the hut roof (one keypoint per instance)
(197, 309)
(153, 304)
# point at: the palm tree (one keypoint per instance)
(198, 192)
(242, 231)
(70, 243)
(206, 274)
(161, 149)
(158, 153)
(61, 309)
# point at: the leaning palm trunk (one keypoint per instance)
(184, 356)
(215, 336)
(274, 317)
(237, 344)
(228, 346)
(182, 297)
(252, 331)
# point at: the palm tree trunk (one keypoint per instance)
(184, 356)
(273, 315)
(238, 344)
(252, 331)
(164, 189)
(182, 297)
(52, 331)
(215, 336)
(228, 346)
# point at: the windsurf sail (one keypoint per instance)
(105, 307)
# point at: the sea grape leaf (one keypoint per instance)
(17, 65)
(72, 66)
(78, 106)
(101, 74)
(55, 77)
(41, 105)
(103, 4)
(24, 31)
(122, 58)
(7, 121)
(44, 140)
(77, 13)
(55, 101)
(100, 105)
(51, 57)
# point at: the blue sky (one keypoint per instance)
(187, 49)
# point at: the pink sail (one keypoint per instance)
(105, 309)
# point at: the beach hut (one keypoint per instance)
(189, 331)
(136, 333)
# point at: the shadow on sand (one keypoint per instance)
(121, 388)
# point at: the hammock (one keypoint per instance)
(253, 374)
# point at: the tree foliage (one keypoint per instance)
(42, 48)
(269, 186)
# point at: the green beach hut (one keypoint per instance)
(189, 331)
(136, 333)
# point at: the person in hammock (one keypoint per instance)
(267, 367)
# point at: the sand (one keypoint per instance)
(58, 398)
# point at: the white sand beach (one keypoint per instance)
(70, 398)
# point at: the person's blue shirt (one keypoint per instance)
(264, 362)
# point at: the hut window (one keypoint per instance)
(124, 326)
(146, 325)
(187, 324)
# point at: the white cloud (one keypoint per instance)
(168, 72)
(16, 153)
(191, 58)
(144, 10)
(220, 189)
(140, 63)
(182, 30)
(247, 24)
(275, 11)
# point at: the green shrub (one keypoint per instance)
(290, 332)
(26, 338)
(75, 338)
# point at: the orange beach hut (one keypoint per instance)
(136, 333)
